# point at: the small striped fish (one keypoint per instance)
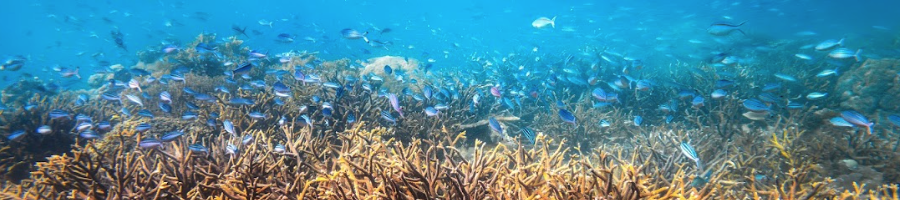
(135, 99)
(529, 134)
(387, 116)
(689, 151)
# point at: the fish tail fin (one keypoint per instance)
(856, 55)
(742, 31)
(741, 24)
(366, 39)
(553, 22)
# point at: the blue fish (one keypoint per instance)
(145, 113)
(240, 101)
(191, 106)
(257, 115)
(149, 143)
(142, 127)
(431, 111)
(387, 116)
(567, 116)
(229, 127)
(247, 139)
(350, 118)
(198, 149)
(188, 115)
(281, 89)
(857, 119)
(89, 134)
(838, 121)
(755, 105)
(722, 83)
(166, 108)
(58, 114)
(894, 119)
(243, 69)
(638, 120)
(697, 101)
(104, 126)
(171, 136)
(16, 135)
(495, 125)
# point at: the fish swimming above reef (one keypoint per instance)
(724, 29)
(240, 31)
(542, 22)
(118, 38)
(13, 63)
(353, 34)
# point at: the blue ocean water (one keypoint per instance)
(67, 33)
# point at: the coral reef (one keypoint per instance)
(872, 86)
